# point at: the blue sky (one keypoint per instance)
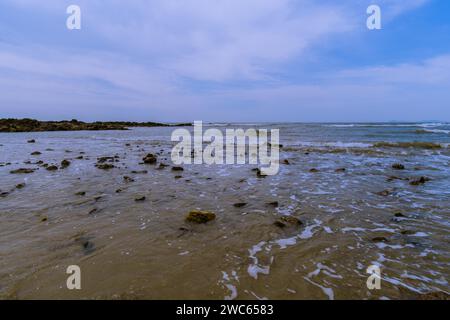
(225, 60)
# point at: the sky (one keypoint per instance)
(225, 61)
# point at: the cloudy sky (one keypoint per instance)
(225, 60)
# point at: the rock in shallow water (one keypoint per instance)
(22, 171)
(197, 216)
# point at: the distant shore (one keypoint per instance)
(32, 125)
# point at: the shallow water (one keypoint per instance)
(136, 250)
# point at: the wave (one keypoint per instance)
(375, 125)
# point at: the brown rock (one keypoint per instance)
(196, 216)
(22, 171)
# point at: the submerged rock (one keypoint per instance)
(20, 186)
(128, 179)
(273, 204)
(31, 141)
(340, 170)
(240, 204)
(65, 163)
(36, 153)
(22, 171)
(379, 239)
(177, 169)
(52, 168)
(286, 162)
(197, 216)
(419, 181)
(150, 159)
(398, 166)
(104, 166)
(285, 221)
(384, 193)
(81, 193)
(314, 170)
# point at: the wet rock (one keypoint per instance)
(140, 198)
(119, 190)
(340, 170)
(398, 166)
(20, 186)
(81, 193)
(286, 221)
(259, 173)
(178, 177)
(407, 232)
(44, 219)
(150, 159)
(177, 169)
(384, 193)
(399, 215)
(31, 141)
(314, 170)
(419, 181)
(274, 204)
(52, 168)
(22, 171)
(162, 166)
(3, 193)
(36, 153)
(88, 247)
(239, 204)
(49, 149)
(286, 162)
(379, 239)
(105, 159)
(139, 172)
(128, 179)
(104, 166)
(196, 216)
(392, 178)
(93, 211)
(79, 158)
(65, 163)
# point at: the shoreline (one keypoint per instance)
(33, 125)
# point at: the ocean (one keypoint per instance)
(364, 194)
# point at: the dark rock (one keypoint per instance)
(196, 216)
(93, 211)
(79, 158)
(81, 193)
(178, 177)
(52, 168)
(142, 198)
(177, 169)
(419, 181)
(31, 141)
(150, 159)
(259, 173)
(104, 166)
(119, 190)
(273, 204)
(314, 170)
(3, 194)
(128, 179)
(65, 163)
(286, 162)
(139, 172)
(379, 239)
(399, 215)
(340, 170)
(398, 166)
(36, 153)
(285, 221)
(240, 204)
(20, 186)
(22, 171)
(44, 219)
(384, 193)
